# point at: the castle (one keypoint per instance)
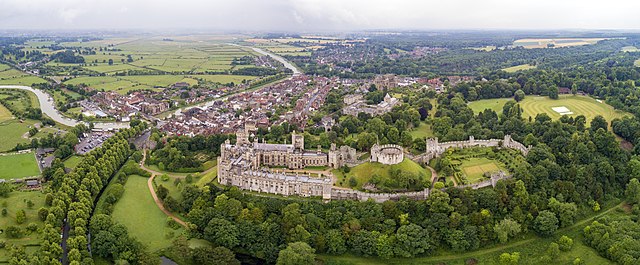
(388, 154)
(247, 165)
(435, 149)
(356, 105)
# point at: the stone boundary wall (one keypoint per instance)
(340, 194)
(435, 149)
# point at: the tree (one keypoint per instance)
(222, 232)
(545, 223)
(335, 242)
(553, 251)
(297, 253)
(506, 228)
(510, 259)
(633, 191)
(21, 216)
(217, 255)
(519, 95)
(411, 240)
(110, 61)
(565, 243)
(598, 122)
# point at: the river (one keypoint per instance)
(47, 105)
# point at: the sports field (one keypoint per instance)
(142, 217)
(474, 168)
(15, 166)
(532, 105)
(518, 68)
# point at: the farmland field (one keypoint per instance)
(630, 49)
(518, 68)
(560, 42)
(15, 166)
(532, 105)
(10, 76)
(142, 217)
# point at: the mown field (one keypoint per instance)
(474, 168)
(532, 105)
(12, 132)
(15, 166)
(560, 42)
(142, 217)
(518, 68)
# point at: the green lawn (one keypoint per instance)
(474, 168)
(422, 131)
(18, 200)
(532, 105)
(365, 171)
(17, 166)
(175, 191)
(5, 114)
(73, 161)
(518, 68)
(11, 133)
(204, 180)
(142, 217)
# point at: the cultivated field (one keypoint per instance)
(532, 105)
(142, 217)
(561, 42)
(16, 166)
(518, 68)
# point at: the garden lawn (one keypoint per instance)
(16, 166)
(142, 217)
(532, 105)
(474, 168)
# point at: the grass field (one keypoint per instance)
(206, 179)
(5, 114)
(365, 171)
(73, 161)
(532, 105)
(474, 168)
(18, 200)
(142, 217)
(518, 68)
(630, 49)
(422, 131)
(637, 63)
(15, 166)
(11, 133)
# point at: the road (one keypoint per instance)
(47, 105)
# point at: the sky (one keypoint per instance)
(319, 15)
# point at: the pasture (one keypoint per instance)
(12, 132)
(532, 105)
(18, 200)
(9, 76)
(559, 42)
(16, 166)
(142, 217)
(518, 68)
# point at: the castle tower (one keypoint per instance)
(432, 145)
(472, 140)
(297, 140)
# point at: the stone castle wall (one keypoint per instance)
(435, 149)
(388, 154)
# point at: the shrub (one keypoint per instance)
(13, 232)
(32, 227)
(565, 243)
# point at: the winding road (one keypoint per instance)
(47, 105)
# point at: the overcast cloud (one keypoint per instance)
(313, 15)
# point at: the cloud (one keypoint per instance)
(311, 15)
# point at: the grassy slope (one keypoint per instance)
(365, 171)
(518, 68)
(142, 217)
(18, 166)
(424, 130)
(532, 105)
